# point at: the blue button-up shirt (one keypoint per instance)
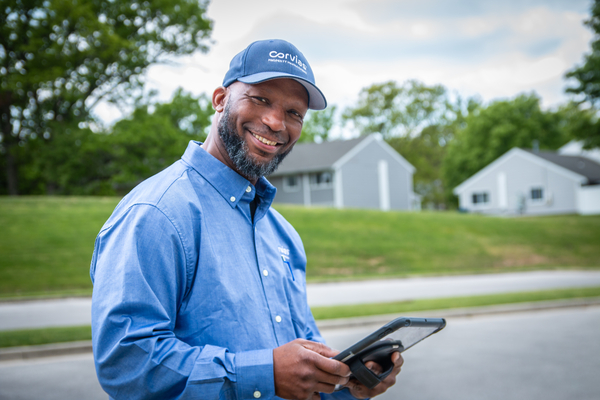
(191, 295)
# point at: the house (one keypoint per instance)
(358, 173)
(533, 183)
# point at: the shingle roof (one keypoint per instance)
(581, 165)
(307, 157)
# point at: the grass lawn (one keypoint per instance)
(46, 243)
(31, 337)
(362, 244)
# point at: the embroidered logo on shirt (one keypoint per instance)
(285, 256)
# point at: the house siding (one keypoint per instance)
(283, 196)
(521, 175)
(370, 174)
(363, 170)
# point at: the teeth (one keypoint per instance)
(265, 141)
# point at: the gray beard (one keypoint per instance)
(239, 153)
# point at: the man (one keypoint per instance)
(199, 286)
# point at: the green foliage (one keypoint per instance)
(587, 77)
(46, 243)
(317, 125)
(425, 152)
(491, 131)
(418, 121)
(393, 110)
(59, 58)
(147, 142)
(580, 123)
(588, 74)
(81, 162)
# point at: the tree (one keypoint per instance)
(154, 137)
(59, 58)
(588, 80)
(394, 111)
(491, 131)
(427, 150)
(317, 125)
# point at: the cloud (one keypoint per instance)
(490, 48)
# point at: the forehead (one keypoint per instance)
(284, 88)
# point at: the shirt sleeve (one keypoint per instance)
(139, 271)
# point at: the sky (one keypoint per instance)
(486, 48)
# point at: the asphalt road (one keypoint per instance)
(543, 355)
(76, 311)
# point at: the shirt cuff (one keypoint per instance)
(254, 374)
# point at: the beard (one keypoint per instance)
(239, 153)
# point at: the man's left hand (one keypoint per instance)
(360, 391)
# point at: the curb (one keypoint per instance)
(45, 350)
(60, 349)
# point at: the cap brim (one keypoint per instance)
(316, 99)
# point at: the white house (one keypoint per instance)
(533, 183)
(358, 173)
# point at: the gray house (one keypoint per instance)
(358, 173)
(533, 183)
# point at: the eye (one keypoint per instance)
(261, 99)
(297, 114)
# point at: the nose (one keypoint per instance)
(274, 118)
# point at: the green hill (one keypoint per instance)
(46, 243)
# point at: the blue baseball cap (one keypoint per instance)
(273, 59)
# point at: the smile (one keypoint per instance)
(264, 140)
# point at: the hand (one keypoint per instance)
(302, 369)
(360, 391)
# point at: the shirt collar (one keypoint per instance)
(226, 181)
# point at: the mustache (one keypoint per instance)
(266, 132)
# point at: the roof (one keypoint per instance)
(578, 164)
(308, 157)
(578, 168)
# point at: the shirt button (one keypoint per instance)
(278, 318)
(257, 394)
(266, 273)
(248, 189)
(232, 199)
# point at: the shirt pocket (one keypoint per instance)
(296, 296)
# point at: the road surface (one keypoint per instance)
(543, 355)
(76, 311)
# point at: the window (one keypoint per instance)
(291, 183)
(537, 194)
(321, 180)
(480, 198)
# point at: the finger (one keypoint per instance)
(357, 389)
(397, 359)
(373, 366)
(331, 366)
(324, 388)
(324, 377)
(319, 348)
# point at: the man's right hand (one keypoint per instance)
(303, 368)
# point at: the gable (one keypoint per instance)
(312, 157)
(510, 155)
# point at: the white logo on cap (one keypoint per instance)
(287, 57)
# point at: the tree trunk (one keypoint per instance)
(8, 142)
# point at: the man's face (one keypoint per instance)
(261, 123)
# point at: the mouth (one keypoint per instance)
(264, 140)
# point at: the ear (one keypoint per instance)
(219, 98)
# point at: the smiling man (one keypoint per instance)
(199, 285)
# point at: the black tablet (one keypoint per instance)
(397, 335)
